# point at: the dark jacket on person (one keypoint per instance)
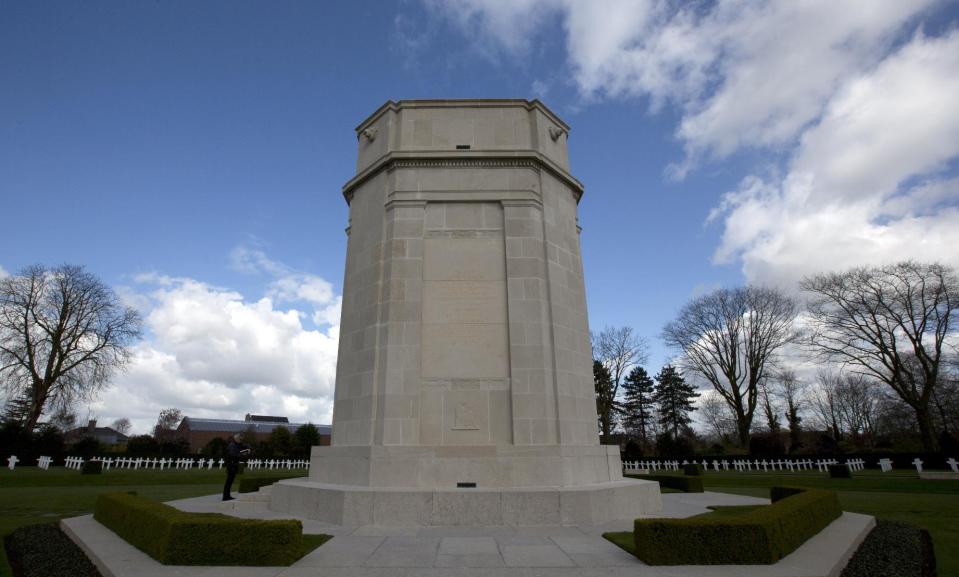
(235, 452)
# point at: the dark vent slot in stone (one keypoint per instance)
(462, 147)
(466, 485)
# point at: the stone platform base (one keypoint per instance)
(444, 467)
(354, 505)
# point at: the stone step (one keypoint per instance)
(258, 497)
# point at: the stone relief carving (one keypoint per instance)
(370, 133)
(555, 132)
(465, 417)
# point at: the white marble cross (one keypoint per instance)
(953, 464)
(885, 465)
(12, 461)
(918, 463)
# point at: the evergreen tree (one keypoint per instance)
(605, 399)
(638, 390)
(673, 398)
(304, 439)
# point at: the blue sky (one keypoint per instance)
(192, 155)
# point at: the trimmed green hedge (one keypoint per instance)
(253, 484)
(694, 470)
(762, 536)
(779, 493)
(684, 484)
(175, 537)
(840, 472)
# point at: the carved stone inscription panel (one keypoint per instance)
(465, 332)
(471, 302)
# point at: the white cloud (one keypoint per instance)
(851, 195)
(3, 272)
(254, 261)
(864, 115)
(512, 25)
(744, 73)
(290, 286)
(214, 353)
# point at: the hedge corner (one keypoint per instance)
(760, 537)
(840, 472)
(174, 537)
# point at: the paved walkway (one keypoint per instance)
(559, 551)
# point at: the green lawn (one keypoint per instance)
(29, 495)
(897, 495)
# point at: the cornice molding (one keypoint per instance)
(474, 159)
(395, 106)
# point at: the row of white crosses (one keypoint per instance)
(856, 464)
(278, 464)
(73, 462)
(161, 464)
(740, 465)
(651, 465)
(199, 464)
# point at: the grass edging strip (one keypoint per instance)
(175, 537)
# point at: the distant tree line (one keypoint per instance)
(883, 338)
(50, 439)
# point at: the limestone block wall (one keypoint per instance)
(464, 314)
(356, 358)
(429, 126)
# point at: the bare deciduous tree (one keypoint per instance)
(729, 337)
(121, 425)
(790, 389)
(62, 335)
(165, 429)
(848, 404)
(770, 408)
(858, 403)
(825, 405)
(946, 398)
(716, 415)
(618, 349)
(888, 323)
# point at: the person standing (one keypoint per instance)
(235, 453)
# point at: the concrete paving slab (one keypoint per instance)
(343, 551)
(535, 556)
(514, 539)
(405, 552)
(296, 571)
(551, 531)
(467, 545)
(469, 560)
(558, 551)
(439, 572)
(375, 531)
(465, 531)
